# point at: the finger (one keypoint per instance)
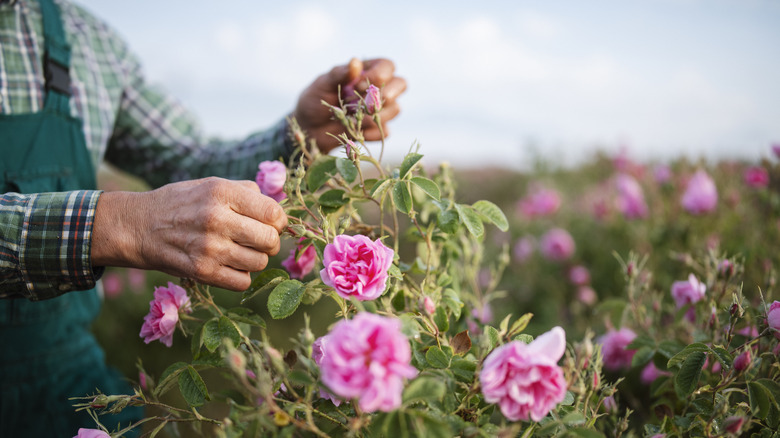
(374, 134)
(251, 185)
(345, 74)
(229, 278)
(389, 111)
(256, 235)
(378, 72)
(393, 89)
(254, 205)
(242, 258)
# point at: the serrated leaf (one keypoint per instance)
(687, 379)
(408, 163)
(470, 219)
(461, 343)
(299, 377)
(424, 389)
(724, 357)
(402, 197)
(492, 213)
(584, 433)
(263, 279)
(192, 387)
(381, 188)
(573, 419)
(774, 390)
(347, 169)
(285, 298)
(524, 338)
(759, 397)
(430, 426)
(429, 187)
(448, 221)
(251, 319)
(441, 320)
(320, 171)
(642, 356)
(215, 330)
(168, 377)
(333, 198)
(639, 342)
(678, 358)
(451, 299)
(493, 337)
(437, 358)
(463, 369)
(520, 324)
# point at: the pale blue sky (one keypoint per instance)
(486, 79)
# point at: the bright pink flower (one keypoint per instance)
(631, 198)
(650, 372)
(373, 99)
(112, 284)
(367, 358)
(525, 379)
(701, 195)
(356, 266)
(317, 353)
(688, 292)
(756, 177)
(524, 248)
(270, 178)
(662, 174)
(539, 202)
(142, 379)
(91, 433)
(557, 244)
(613, 349)
(300, 266)
(163, 315)
(579, 275)
(773, 318)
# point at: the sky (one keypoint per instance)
(490, 83)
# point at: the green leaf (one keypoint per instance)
(437, 358)
(760, 401)
(398, 301)
(773, 388)
(298, 377)
(448, 221)
(614, 308)
(262, 280)
(678, 358)
(320, 171)
(641, 341)
(470, 219)
(441, 320)
(573, 419)
(492, 213)
(409, 162)
(381, 188)
(524, 338)
(494, 338)
(687, 379)
(463, 369)
(724, 357)
(402, 197)
(285, 298)
(424, 389)
(429, 187)
(584, 433)
(347, 169)
(192, 387)
(333, 198)
(520, 324)
(167, 377)
(453, 303)
(431, 426)
(642, 356)
(215, 330)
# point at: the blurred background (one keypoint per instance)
(492, 82)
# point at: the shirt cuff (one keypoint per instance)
(55, 244)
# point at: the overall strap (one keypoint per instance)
(56, 59)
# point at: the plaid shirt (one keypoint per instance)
(45, 238)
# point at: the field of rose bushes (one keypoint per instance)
(616, 298)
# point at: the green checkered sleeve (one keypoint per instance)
(45, 243)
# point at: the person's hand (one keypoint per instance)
(211, 230)
(315, 118)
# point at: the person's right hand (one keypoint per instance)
(212, 230)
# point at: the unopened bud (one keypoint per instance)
(236, 361)
(429, 306)
(743, 361)
(734, 424)
(610, 405)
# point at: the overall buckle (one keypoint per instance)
(56, 75)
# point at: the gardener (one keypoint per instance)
(72, 95)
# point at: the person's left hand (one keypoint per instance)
(316, 119)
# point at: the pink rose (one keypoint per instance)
(701, 195)
(539, 202)
(525, 380)
(164, 313)
(587, 295)
(483, 313)
(662, 174)
(688, 292)
(373, 99)
(631, 198)
(356, 266)
(743, 360)
(756, 177)
(367, 358)
(523, 249)
(270, 178)
(579, 275)
(613, 349)
(112, 284)
(300, 266)
(557, 244)
(317, 353)
(773, 318)
(650, 372)
(91, 433)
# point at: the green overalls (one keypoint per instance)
(47, 353)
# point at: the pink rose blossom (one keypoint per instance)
(270, 178)
(429, 306)
(373, 99)
(743, 360)
(367, 358)
(523, 249)
(356, 266)
(662, 174)
(756, 177)
(300, 266)
(587, 295)
(317, 353)
(91, 433)
(773, 318)
(688, 292)
(525, 379)
(112, 284)
(631, 198)
(483, 313)
(650, 373)
(613, 349)
(163, 315)
(579, 275)
(539, 202)
(557, 245)
(701, 195)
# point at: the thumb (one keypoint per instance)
(348, 75)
